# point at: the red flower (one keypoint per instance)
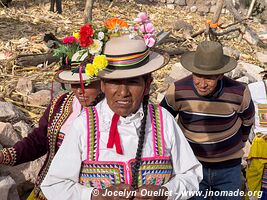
(86, 33)
(69, 40)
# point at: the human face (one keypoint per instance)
(90, 92)
(124, 96)
(205, 84)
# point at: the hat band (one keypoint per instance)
(136, 65)
(130, 60)
(75, 67)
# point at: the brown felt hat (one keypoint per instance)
(208, 59)
(130, 57)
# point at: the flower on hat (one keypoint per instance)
(70, 40)
(140, 26)
(89, 40)
(114, 23)
(76, 35)
(83, 49)
(116, 26)
(95, 47)
(149, 40)
(142, 17)
(146, 28)
(90, 70)
(86, 33)
(99, 63)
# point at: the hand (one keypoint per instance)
(151, 192)
(119, 191)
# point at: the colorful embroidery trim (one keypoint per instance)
(157, 130)
(155, 171)
(9, 156)
(262, 113)
(56, 122)
(93, 136)
(101, 176)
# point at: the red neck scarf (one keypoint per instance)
(114, 137)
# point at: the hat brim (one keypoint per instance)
(69, 77)
(156, 61)
(187, 61)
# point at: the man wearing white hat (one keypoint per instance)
(129, 146)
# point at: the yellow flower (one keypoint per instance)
(90, 70)
(76, 35)
(100, 62)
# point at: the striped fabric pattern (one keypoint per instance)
(262, 112)
(218, 126)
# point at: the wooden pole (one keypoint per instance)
(251, 8)
(88, 11)
(243, 30)
(216, 16)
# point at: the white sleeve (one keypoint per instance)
(61, 181)
(187, 170)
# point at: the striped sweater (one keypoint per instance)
(216, 127)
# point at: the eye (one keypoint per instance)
(134, 81)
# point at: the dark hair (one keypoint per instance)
(99, 98)
(140, 145)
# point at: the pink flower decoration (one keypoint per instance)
(147, 28)
(149, 40)
(142, 17)
(69, 40)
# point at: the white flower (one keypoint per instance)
(96, 47)
(100, 36)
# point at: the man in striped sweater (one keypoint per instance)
(216, 114)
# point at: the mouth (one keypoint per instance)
(123, 103)
(202, 90)
(83, 98)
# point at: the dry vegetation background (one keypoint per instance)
(22, 27)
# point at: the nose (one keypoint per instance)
(79, 90)
(123, 90)
(202, 83)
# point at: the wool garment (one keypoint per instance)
(216, 126)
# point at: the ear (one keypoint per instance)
(148, 83)
(103, 86)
